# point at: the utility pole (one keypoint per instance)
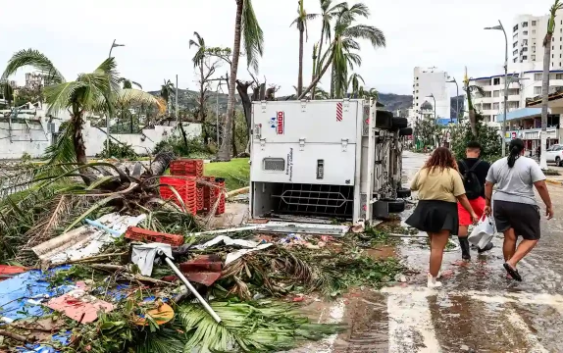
(177, 111)
(108, 118)
(220, 80)
(453, 80)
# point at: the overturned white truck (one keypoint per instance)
(330, 159)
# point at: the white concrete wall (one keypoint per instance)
(33, 138)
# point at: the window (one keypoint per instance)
(515, 44)
(496, 93)
(524, 24)
(515, 28)
(559, 76)
(533, 57)
(537, 77)
(416, 91)
(537, 90)
(417, 78)
(495, 106)
(515, 52)
(496, 81)
(417, 104)
(533, 23)
(524, 57)
(417, 84)
(525, 33)
(533, 31)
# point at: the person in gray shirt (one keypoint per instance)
(515, 210)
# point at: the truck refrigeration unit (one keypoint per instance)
(329, 159)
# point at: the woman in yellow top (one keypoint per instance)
(439, 187)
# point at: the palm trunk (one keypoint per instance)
(317, 65)
(77, 122)
(300, 75)
(332, 82)
(317, 79)
(314, 72)
(545, 98)
(225, 150)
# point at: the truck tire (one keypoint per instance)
(406, 131)
(399, 123)
(395, 206)
(383, 120)
(403, 193)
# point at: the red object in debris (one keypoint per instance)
(298, 299)
(140, 234)
(7, 271)
(79, 306)
(185, 187)
(187, 167)
(205, 269)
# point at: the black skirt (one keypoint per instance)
(435, 216)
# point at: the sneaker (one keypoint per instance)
(432, 282)
(486, 248)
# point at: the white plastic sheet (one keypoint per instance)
(144, 255)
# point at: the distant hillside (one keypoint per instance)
(391, 101)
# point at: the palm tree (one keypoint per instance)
(354, 84)
(166, 92)
(246, 27)
(328, 12)
(474, 116)
(201, 50)
(301, 23)
(97, 92)
(128, 84)
(340, 54)
(545, 79)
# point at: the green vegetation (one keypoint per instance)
(236, 172)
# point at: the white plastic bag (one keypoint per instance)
(483, 232)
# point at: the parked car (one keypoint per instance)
(555, 155)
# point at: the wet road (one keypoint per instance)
(477, 310)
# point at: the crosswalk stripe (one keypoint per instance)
(518, 323)
(410, 314)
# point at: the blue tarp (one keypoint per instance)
(20, 295)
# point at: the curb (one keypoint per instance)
(554, 182)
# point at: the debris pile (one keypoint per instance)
(112, 265)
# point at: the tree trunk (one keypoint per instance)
(332, 82)
(545, 99)
(77, 122)
(317, 64)
(300, 74)
(234, 140)
(317, 79)
(226, 146)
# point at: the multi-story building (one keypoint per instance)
(33, 80)
(430, 84)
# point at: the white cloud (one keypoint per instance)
(77, 35)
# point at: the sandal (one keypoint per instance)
(512, 272)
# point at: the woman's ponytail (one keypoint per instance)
(516, 147)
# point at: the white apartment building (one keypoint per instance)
(528, 33)
(430, 82)
(34, 80)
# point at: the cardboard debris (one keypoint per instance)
(80, 306)
(85, 241)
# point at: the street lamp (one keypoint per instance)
(500, 27)
(453, 80)
(113, 45)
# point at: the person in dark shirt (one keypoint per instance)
(474, 172)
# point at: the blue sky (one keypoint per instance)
(76, 35)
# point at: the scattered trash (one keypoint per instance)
(145, 255)
(80, 306)
(7, 271)
(140, 234)
(227, 241)
(237, 254)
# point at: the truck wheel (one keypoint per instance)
(399, 123)
(395, 206)
(558, 161)
(406, 131)
(403, 193)
(383, 120)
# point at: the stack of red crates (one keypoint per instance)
(208, 193)
(220, 182)
(186, 187)
(192, 168)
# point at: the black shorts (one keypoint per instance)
(524, 218)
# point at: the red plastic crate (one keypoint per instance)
(140, 234)
(207, 194)
(188, 167)
(221, 183)
(186, 188)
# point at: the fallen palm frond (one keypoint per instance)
(248, 327)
